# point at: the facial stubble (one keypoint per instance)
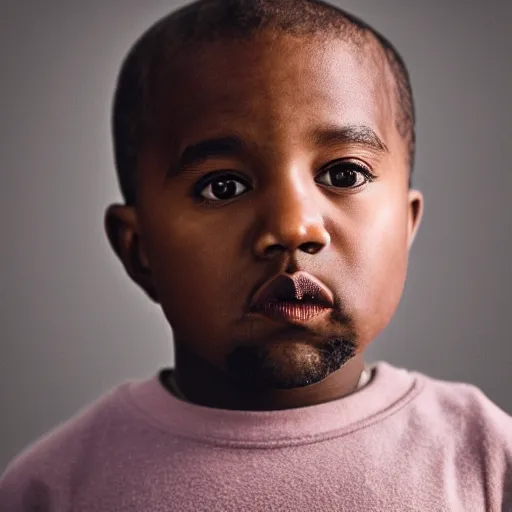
(288, 365)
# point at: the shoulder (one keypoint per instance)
(463, 405)
(460, 419)
(433, 405)
(44, 470)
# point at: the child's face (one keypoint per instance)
(206, 260)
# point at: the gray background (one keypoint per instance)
(73, 325)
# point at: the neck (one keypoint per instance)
(203, 384)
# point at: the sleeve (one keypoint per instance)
(497, 426)
(42, 477)
(22, 492)
(37, 479)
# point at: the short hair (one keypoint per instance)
(214, 20)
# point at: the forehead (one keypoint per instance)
(275, 87)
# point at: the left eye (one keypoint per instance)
(345, 175)
(223, 188)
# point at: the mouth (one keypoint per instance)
(297, 298)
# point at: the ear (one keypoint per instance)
(122, 229)
(415, 214)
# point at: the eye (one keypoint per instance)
(220, 187)
(345, 174)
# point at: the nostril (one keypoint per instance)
(273, 249)
(311, 247)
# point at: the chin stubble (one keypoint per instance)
(257, 367)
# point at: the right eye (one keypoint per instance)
(220, 187)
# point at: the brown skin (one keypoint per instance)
(203, 262)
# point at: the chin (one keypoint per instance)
(288, 365)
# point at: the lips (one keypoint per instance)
(300, 288)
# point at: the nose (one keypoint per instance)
(291, 221)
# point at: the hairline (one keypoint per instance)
(158, 46)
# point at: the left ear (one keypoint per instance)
(122, 229)
(415, 214)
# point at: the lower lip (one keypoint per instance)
(291, 311)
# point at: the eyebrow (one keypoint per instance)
(352, 134)
(232, 145)
(198, 152)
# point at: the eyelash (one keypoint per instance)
(227, 175)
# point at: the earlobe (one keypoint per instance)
(121, 227)
(416, 204)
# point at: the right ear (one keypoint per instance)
(123, 233)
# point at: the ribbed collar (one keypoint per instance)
(389, 390)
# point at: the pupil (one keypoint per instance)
(346, 177)
(224, 189)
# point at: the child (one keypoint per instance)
(264, 149)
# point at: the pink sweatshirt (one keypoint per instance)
(404, 442)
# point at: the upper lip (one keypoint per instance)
(298, 286)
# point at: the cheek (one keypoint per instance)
(191, 271)
(379, 264)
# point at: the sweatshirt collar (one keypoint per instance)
(389, 390)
